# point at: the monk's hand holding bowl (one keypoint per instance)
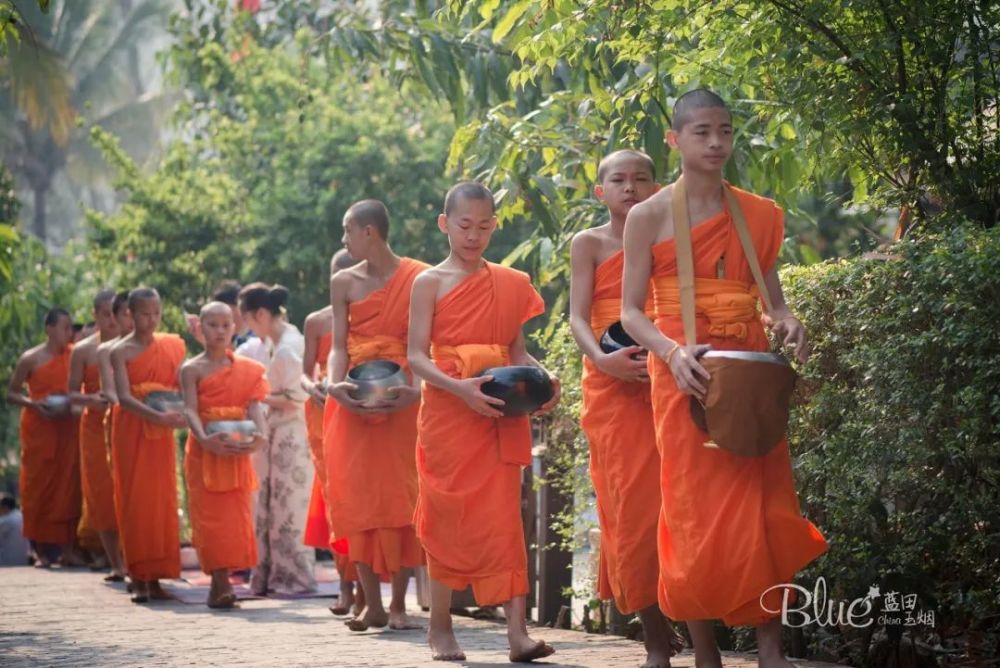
(790, 331)
(340, 392)
(471, 392)
(171, 419)
(46, 411)
(690, 376)
(316, 391)
(556, 395)
(400, 397)
(258, 443)
(216, 443)
(622, 365)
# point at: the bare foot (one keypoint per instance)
(156, 592)
(99, 563)
(677, 643)
(444, 646)
(656, 660)
(528, 650)
(345, 601)
(42, 563)
(368, 620)
(220, 594)
(398, 621)
(775, 661)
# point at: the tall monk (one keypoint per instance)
(85, 390)
(50, 457)
(617, 415)
(370, 452)
(466, 315)
(318, 333)
(220, 477)
(730, 527)
(143, 450)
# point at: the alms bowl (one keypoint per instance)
(747, 355)
(374, 380)
(524, 389)
(615, 338)
(165, 401)
(57, 403)
(238, 430)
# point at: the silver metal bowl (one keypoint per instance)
(238, 430)
(773, 358)
(58, 403)
(374, 380)
(165, 402)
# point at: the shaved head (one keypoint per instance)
(103, 297)
(467, 190)
(370, 213)
(216, 308)
(341, 260)
(688, 103)
(140, 295)
(624, 155)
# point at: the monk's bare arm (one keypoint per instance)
(124, 388)
(418, 345)
(15, 388)
(782, 321)
(311, 331)
(189, 390)
(255, 411)
(640, 234)
(581, 295)
(107, 373)
(77, 365)
(340, 284)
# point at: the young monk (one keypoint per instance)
(125, 325)
(369, 453)
(144, 451)
(318, 334)
(50, 456)
(85, 390)
(617, 415)
(466, 315)
(730, 527)
(220, 477)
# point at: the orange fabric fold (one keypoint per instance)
(145, 471)
(617, 418)
(468, 514)
(50, 460)
(723, 309)
(730, 526)
(95, 470)
(220, 487)
(371, 477)
(317, 529)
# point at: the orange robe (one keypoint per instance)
(220, 487)
(50, 460)
(469, 511)
(730, 526)
(95, 471)
(617, 417)
(144, 459)
(317, 531)
(371, 473)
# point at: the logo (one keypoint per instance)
(897, 609)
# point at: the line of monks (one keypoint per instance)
(432, 474)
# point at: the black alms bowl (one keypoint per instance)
(615, 338)
(374, 379)
(525, 389)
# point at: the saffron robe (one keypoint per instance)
(220, 487)
(50, 460)
(95, 470)
(468, 512)
(617, 417)
(317, 531)
(144, 459)
(371, 472)
(730, 527)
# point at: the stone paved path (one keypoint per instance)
(71, 618)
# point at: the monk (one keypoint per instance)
(730, 527)
(370, 452)
(50, 456)
(220, 476)
(125, 325)
(86, 390)
(617, 415)
(466, 315)
(318, 333)
(144, 450)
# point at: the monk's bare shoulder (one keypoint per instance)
(125, 349)
(196, 367)
(318, 322)
(652, 218)
(87, 349)
(33, 357)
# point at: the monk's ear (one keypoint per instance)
(493, 223)
(443, 223)
(599, 192)
(672, 138)
(656, 187)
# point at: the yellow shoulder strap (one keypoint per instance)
(685, 260)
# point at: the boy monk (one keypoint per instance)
(318, 333)
(370, 453)
(125, 325)
(85, 390)
(730, 527)
(50, 457)
(220, 477)
(144, 451)
(466, 315)
(617, 415)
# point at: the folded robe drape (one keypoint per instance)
(617, 417)
(95, 469)
(317, 530)
(468, 513)
(371, 476)
(730, 526)
(144, 459)
(220, 487)
(50, 460)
